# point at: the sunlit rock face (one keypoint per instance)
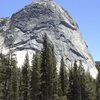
(24, 32)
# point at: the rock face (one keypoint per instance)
(25, 29)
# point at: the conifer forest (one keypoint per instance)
(42, 80)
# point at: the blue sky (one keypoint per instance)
(85, 12)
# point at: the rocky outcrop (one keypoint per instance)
(25, 29)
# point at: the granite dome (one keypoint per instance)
(25, 29)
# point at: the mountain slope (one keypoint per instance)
(25, 29)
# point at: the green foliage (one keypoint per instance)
(5, 73)
(81, 85)
(63, 79)
(74, 84)
(8, 77)
(35, 77)
(19, 75)
(48, 70)
(25, 79)
(42, 82)
(98, 85)
(13, 78)
(90, 88)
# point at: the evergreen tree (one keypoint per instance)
(63, 78)
(13, 93)
(25, 79)
(19, 75)
(90, 87)
(83, 84)
(42, 79)
(98, 84)
(35, 77)
(5, 76)
(74, 84)
(13, 85)
(48, 70)
(54, 74)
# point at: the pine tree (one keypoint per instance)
(83, 84)
(3, 78)
(5, 75)
(19, 75)
(25, 79)
(13, 93)
(44, 69)
(74, 84)
(35, 77)
(54, 74)
(63, 78)
(98, 86)
(48, 70)
(90, 88)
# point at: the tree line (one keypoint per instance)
(43, 81)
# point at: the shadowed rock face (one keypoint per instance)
(25, 29)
